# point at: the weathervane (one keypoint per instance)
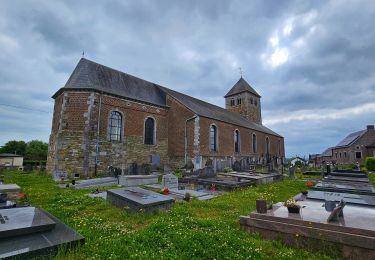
(83, 53)
(240, 69)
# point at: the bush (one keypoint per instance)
(370, 163)
(178, 173)
(228, 169)
(34, 162)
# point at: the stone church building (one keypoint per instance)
(105, 117)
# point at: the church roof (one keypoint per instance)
(89, 75)
(241, 86)
(208, 110)
(350, 139)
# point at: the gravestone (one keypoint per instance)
(189, 165)
(237, 166)
(206, 172)
(139, 200)
(28, 232)
(134, 168)
(209, 163)
(155, 160)
(145, 168)
(170, 181)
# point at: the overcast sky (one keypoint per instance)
(313, 62)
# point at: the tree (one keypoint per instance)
(18, 147)
(36, 150)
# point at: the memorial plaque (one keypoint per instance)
(170, 181)
(25, 220)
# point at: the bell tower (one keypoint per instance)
(243, 99)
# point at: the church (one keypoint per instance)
(104, 117)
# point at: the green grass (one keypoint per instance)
(199, 229)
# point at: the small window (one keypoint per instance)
(340, 155)
(236, 141)
(149, 130)
(279, 146)
(115, 126)
(358, 155)
(344, 154)
(256, 103)
(232, 102)
(239, 101)
(336, 155)
(254, 143)
(213, 138)
(251, 100)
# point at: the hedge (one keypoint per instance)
(34, 162)
(370, 163)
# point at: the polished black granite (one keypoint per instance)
(25, 220)
(41, 243)
(358, 199)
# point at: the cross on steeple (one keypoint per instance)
(240, 69)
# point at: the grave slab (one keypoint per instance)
(349, 198)
(25, 220)
(137, 199)
(97, 182)
(354, 234)
(7, 205)
(170, 181)
(102, 195)
(9, 188)
(42, 243)
(136, 180)
(350, 187)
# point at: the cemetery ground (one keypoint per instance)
(196, 229)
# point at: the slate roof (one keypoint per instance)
(241, 86)
(327, 152)
(350, 139)
(208, 110)
(89, 75)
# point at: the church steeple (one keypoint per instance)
(243, 99)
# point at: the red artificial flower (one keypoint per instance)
(21, 195)
(309, 184)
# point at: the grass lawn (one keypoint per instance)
(198, 229)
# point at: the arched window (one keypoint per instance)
(213, 138)
(267, 145)
(237, 141)
(149, 131)
(115, 126)
(254, 143)
(251, 100)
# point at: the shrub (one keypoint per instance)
(370, 163)
(227, 169)
(178, 173)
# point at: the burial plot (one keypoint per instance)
(349, 187)
(353, 234)
(137, 199)
(170, 181)
(358, 199)
(135, 180)
(28, 232)
(97, 182)
(9, 188)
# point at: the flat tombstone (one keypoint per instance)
(25, 220)
(206, 172)
(170, 181)
(5, 188)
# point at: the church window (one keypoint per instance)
(358, 155)
(254, 143)
(251, 100)
(213, 138)
(232, 102)
(115, 126)
(149, 131)
(279, 146)
(237, 141)
(239, 101)
(255, 102)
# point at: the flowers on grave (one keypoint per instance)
(23, 199)
(165, 190)
(213, 187)
(309, 184)
(292, 206)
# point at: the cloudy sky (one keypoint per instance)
(312, 61)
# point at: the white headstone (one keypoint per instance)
(170, 181)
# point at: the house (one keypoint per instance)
(354, 148)
(296, 159)
(11, 160)
(105, 117)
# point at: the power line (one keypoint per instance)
(25, 108)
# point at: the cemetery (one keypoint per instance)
(338, 213)
(157, 214)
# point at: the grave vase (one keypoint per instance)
(261, 206)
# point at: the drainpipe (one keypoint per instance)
(97, 136)
(195, 116)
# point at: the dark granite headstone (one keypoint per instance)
(189, 165)
(134, 168)
(237, 166)
(206, 172)
(209, 163)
